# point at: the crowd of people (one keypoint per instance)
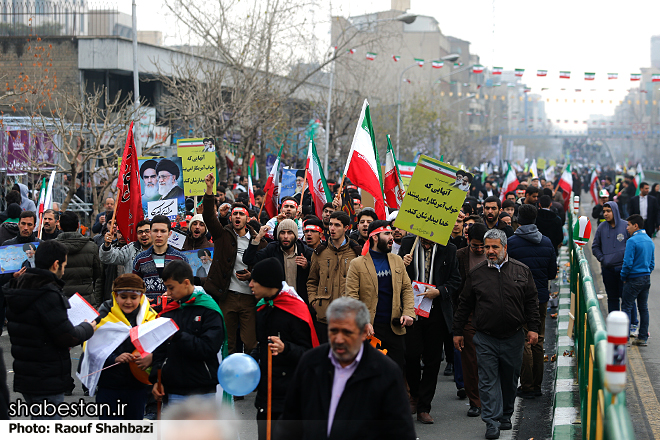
(331, 298)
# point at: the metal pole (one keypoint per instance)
(327, 119)
(136, 81)
(398, 109)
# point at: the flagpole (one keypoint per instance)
(262, 205)
(269, 413)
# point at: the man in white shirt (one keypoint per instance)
(646, 206)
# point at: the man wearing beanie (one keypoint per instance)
(294, 256)
(197, 235)
(285, 327)
(379, 279)
(537, 252)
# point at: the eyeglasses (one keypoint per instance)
(477, 246)
(144, 232)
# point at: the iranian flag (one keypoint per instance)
(566, 184)
(350, 51)
(318, 186)
(541, 73)
(272, 187)
(589, 76)
(420, 62)
(250, 188)
(437, 64)
(371, 56)
(363, 165)
(457, 64)
(392, 183)
(635, 76)
(510, 182)
(593, 186)
(565, 74)
(612, 76)
(497, 70)
(639, 176)
(655, 77)
(40, 205)
(519, 72)
(477, 68)
(396, 58)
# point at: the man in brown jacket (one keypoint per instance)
(228, 278)
(327, 274)
(379, 279)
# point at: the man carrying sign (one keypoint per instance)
(436, 265)
(378, 279)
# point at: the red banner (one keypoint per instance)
(129, 202)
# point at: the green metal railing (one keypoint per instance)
(604, 416)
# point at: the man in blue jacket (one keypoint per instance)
(608, 247)
(638, 263)
(536, 251)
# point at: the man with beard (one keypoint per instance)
(492, 207)
(125, 255)
(288, 209)
(314, 234)
(150, 178)
(228, 277)
(328, 209)
(498, 318)
(364, 219)
(397, 235)
(435, 265)
(168, 174)
(29, 250)
(292, 253)
(378, 278)
(50, 222)
(205, 257)
(197, 235)
(468, 258)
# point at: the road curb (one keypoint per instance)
(566, 412)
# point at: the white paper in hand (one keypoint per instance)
(422, 303)
(80, 310)
(176, 240)
(148, 336)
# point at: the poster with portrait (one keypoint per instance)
(161, 181)
(200, 261)
(16, 256)
(292, 182)
(434, 197)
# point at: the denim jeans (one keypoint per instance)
(614, 290)
(638, 289)
(54, 399)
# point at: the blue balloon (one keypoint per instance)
(239, 374)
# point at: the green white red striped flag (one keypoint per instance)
(589, 76)
(477, 69)
(396, 58)
(318, 186)
(635, 77)
(392, 183)
(436, 64)
(655, 77)
(420, 62)
(541, 73)
(350, 51)
(565, 74)
(519, 72)
(497, 70)
(612, 76)
(371, 56)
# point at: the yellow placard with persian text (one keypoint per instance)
(195, 168)
(434, 197)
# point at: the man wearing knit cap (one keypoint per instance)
(197, 235)
(168, 174)
(294, 256)
(379, 279)
(285, 327)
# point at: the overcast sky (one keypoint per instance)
(576, 35)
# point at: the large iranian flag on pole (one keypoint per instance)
(318, 186)
(250, 188)
(593, 186)
(392, 183)
(363, 165)
(566, 184)
(510, 182)
(272, 187)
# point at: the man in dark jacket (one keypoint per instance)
(346, 389)
(84, 265)
(501, 294)
(436, 265)
(26, 234)
(189, 359)
(9, 228)
(534, 250)
(549, 223)
(492, 208)
(228, 277)
(597, 211)
(284, 326)
(647, 207)
(197, 238)
(294, 255)
(39, 328)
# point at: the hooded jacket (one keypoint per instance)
(8, 230)
(83, 267)
(609, 245)
(550, 225)
(41, 333)
(26, 203)
(536, 252)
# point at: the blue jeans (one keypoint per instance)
(178, 398)
(638, 289)
(54, 399)
(614, 290)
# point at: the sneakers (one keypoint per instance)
(634, 330)
(640, 342)
(474, 411)
(492, 432)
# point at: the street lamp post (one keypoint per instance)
(404, 18)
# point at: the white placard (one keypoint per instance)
(167, 208)
(422, 303)
(80, 310)
(176, 240)
(148, 336)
